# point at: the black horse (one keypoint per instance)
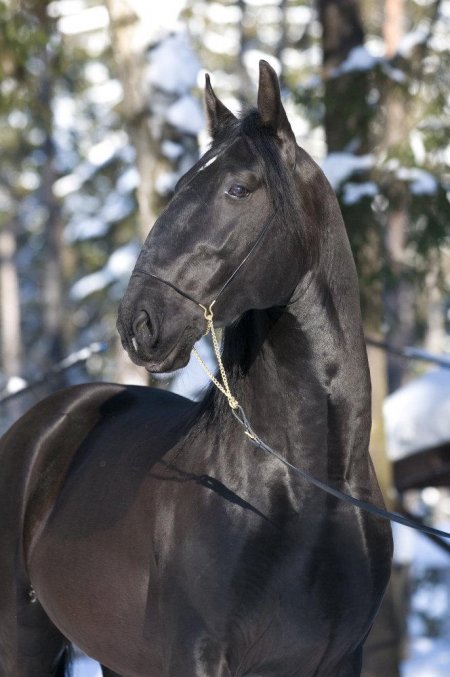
(147, 528)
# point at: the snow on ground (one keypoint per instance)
(192, 380)
(85, 667)
(414, 548)
(418, 415)
(428, 658)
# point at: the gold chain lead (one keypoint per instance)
(224, 386)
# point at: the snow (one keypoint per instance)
(252, 58)
(299, 15)
(15, 384)
(84, 229)
(428, 658)
(18, 119)
(118, 268)
(85, 667)
(67, 184)
(83, 20)
(116, 208)
(171, 150)
(338, 167)
(83, 354)
(192, 380)
(89, 284)
(410, 40)
(417, 416)
(121, 262)
(165, 182)
(186, 115)
(108, 93)
(358, 59)
(64, 7)
(224, 42)
(173, 66)
(29, 180)
(96, 72)
(422, 182)
(128, 181)
(103, 152)
(417, 145)
(64, 111)
(223, 14)
(165, 16)
(98, 155)
(354, 192)
(412, 547)
(394, 74)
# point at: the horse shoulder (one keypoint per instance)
(39, 450)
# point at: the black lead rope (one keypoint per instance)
(240, 416)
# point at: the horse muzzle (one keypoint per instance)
(146, 345)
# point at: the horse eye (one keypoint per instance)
(236, 190)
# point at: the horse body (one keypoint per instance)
(155, 536)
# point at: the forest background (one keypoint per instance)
(101, 113)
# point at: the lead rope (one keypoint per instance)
(223, 387)
(242, 419)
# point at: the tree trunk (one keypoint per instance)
(145, 109)
(10, 327)
(347, 119)
(131, 63)
(54, 318)
(398, 294)
(10, 331)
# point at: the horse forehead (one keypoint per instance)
(238, 155)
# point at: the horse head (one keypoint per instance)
(230, 235)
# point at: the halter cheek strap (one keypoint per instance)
(207, 309)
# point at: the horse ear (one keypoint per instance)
(272, 112)
(218, 115)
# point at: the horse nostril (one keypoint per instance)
(142, 327)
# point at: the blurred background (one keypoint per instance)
(101, 112)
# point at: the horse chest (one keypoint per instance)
(246, 580)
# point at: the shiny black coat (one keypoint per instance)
(154, 535)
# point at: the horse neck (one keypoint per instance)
(301, 373)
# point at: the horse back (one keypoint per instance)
(50, 441)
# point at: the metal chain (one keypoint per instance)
(240, 416)
(224, 386)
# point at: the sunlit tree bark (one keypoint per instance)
(164, 151)
(398, 293)
(10, 331)
(54, 319)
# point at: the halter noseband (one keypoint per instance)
(209, 317)
(207, 308)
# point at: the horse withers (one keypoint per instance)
(146, 528)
